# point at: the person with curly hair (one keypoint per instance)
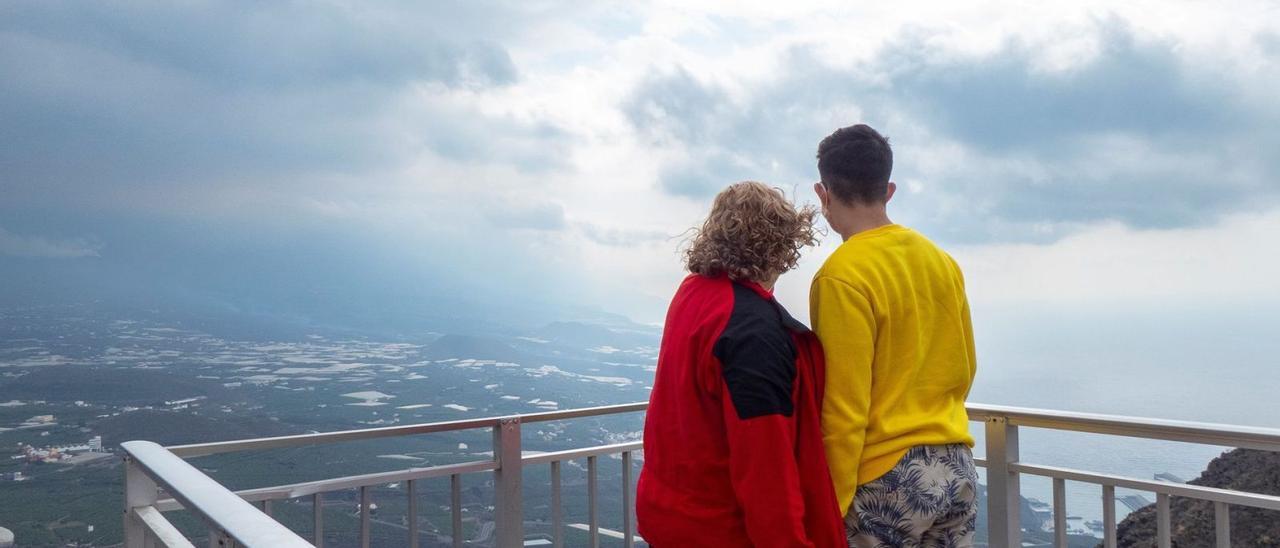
(732, 443)
(890, 309)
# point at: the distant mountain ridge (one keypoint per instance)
(472, 347)
(1193, 520)
(589, 335)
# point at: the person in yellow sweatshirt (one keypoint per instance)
(890, 309)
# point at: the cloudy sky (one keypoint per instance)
(1116, 158)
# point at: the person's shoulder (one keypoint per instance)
(915, 237)
(920, 244)
(699, 311)
(704, 296)
(698, 283)
(841, 261)
(931, 252)
(852, 262)
(751, 308)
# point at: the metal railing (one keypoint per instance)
(233, 519)
(1004, 469)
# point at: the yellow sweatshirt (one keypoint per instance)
(890, 309)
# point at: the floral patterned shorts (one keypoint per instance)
(928, 500)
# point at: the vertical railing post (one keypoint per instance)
(1004, 500)
(557, 508)
(411, 514)
(317, 509)
(593, 518)
(1222, 524)
(1109, 539)
(1164, 532)
(455, 508)
(508, 508)
(628, 498)
(1059, 513)
(366, 508)
(139, 490)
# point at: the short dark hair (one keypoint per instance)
(855, 163)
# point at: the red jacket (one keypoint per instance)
(732, 445)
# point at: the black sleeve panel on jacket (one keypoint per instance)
(789, 322)
(757, 356)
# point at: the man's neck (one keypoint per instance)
(862, 219)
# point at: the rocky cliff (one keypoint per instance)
(1193, 520)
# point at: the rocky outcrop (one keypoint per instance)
(1193, 520)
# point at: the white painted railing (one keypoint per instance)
(233, 520)
(1004, 468)
(150, 467)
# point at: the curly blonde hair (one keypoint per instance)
(752, 233)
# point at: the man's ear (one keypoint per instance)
(888, 194)
(821, 191)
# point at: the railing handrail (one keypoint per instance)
(208, 499)
(1227, 435)
(302, 489)
(581, 453)
(278, 442)
(1199, 492)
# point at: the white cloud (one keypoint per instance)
(1107, 267)
(1112, 265)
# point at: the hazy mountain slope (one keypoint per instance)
(472, 347)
